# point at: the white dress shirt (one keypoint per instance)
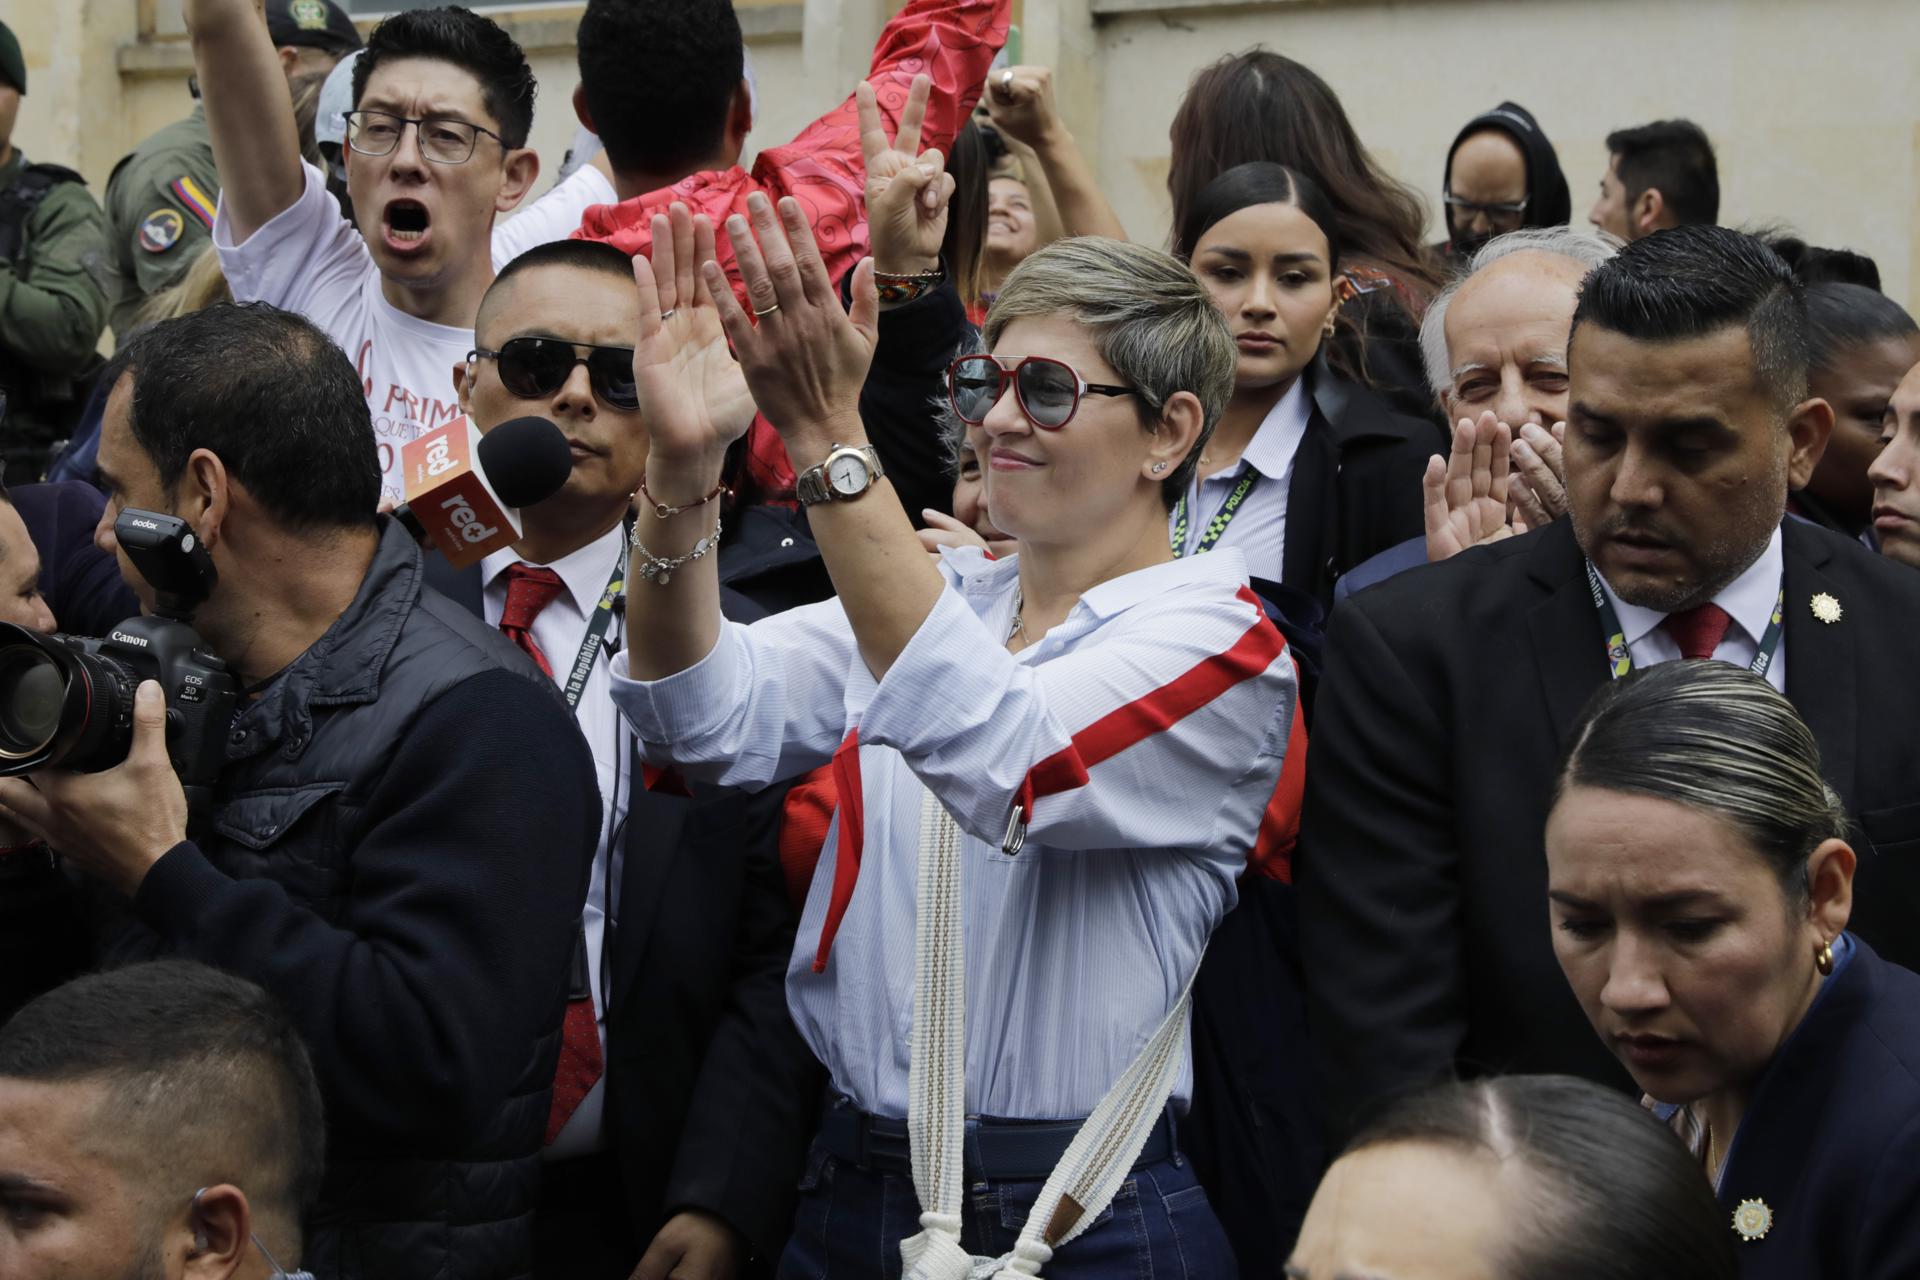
(1076, 947)
(558, 629)
(1748, 600)
(1259, 527)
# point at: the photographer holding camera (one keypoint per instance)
(374, 846)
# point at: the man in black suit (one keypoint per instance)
(683, 1139)
(1450, 690)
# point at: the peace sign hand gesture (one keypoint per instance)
(908, 190)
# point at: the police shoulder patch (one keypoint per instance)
(162, 230)
(309, 15)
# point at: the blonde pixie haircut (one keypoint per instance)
(1149, 317)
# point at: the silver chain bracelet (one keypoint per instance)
(660, 571)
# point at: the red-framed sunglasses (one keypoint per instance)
(1048, 391)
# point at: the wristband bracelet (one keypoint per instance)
(663, 511)
(896, 288)
(659, 570)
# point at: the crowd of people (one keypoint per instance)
(1012, 751)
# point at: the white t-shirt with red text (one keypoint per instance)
(310, 259)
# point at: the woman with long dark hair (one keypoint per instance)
(1261, 105)
(1309, 472)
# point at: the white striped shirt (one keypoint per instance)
(1078, 946)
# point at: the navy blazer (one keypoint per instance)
(1831, 1141)
(1447, 700)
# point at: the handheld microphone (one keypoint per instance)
(464, 489)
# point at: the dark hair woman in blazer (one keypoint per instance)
(1701, 881)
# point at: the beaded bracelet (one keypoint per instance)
(662, 511)
(659, 570)
(895, 288)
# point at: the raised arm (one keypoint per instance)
(1020, 100)
(249, 113)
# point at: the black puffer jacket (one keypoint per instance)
(399, 851)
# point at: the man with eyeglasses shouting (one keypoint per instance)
(1502, 175)
(157, 1120)
(436, 148)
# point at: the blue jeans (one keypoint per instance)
(851, 1220)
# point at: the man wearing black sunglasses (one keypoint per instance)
(687, 1140)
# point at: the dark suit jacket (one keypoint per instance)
(1356, 483)
(1831, 1140)
(1442, 716)
(712, 1096)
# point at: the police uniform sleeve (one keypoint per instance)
(53, 301)
(160, 218)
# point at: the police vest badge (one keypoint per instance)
(161, 230)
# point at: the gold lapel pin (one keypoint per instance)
(1753, 1219)
(1826, 608)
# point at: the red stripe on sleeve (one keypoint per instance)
(846, 864)
(1272, 854)
(1166, 706)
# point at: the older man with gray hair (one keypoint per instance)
(1495, 346)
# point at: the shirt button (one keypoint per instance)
(786, 542)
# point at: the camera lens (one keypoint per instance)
(32, 690)
(63, 703)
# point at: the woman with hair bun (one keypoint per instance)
(1701, 879)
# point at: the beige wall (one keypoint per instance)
(1814, 107)
(97, 84)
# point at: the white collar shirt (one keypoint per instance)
(1748, 600)
(1259, 525)
(1077, 946)
(559, 630)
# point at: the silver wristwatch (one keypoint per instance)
(843, 475)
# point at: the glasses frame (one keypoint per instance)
(1488, 210)
(1081, 389)
(594, 381)
(355, 118)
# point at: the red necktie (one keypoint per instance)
(529, 590)
(1698, 631)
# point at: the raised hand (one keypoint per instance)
(908, 190)
(692, 393)
(1020, 102)
(1466, 494)
(805, 359)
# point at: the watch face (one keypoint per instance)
(848, 474)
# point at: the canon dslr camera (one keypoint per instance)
(66, 702)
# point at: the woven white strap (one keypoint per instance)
(1101, 1154)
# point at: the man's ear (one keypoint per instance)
(289, 59)
(1649, 213)
(205, 495)
(1809, 426)
(521, 171)
(739, 120)
(580, 112)
(218, 1231)
(463, 375)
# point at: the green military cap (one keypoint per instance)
(13, 67)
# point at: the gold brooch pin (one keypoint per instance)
(1753, 1219)
(1826, 608)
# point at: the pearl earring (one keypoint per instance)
(1158, 467)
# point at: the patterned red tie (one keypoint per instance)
(529, 590)
(1698, 631)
